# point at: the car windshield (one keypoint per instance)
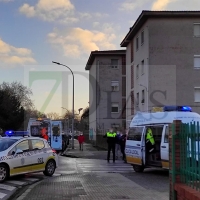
(6, 143)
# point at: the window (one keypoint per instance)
(137, 43)
(115, 85)
(114, 63)
(135, 133)
(166, 139)
(137, 99)
(24, 146)
(197, 62)
(6, 143)
(115, 108)
(37, 144)
(142, 67)
(197, 94)
(137, 71)
(197, 29)
(143, 100)
(142, 37)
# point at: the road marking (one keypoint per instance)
(31, 179)
(7, 187)
(16, 182)
(2, 195)
(56, 174)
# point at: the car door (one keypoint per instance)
(21, 162)
(164, 147)
(135, 146)
(39, 154)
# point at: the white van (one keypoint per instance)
(158, 122)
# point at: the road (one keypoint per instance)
(81, 178)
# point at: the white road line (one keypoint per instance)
(56, 174)
(7, 187)
(2, 195)
(16, 182)
(31, 179)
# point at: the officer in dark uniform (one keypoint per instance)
(111, 140)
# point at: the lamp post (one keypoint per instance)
(72, 101)
(147, 97)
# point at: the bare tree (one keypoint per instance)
(21, 92)
(68, 115)
(53, 116)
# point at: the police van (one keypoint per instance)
(135, 150)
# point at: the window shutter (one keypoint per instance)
(197, 62)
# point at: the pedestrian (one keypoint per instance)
(81, 140)
(117, 145)
(111, 140)
(123, 145)
(44, 134)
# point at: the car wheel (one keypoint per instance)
(3, 173)
(138, 168)
(50, 168)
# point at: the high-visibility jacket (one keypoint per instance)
(109, 134)
(111, 137)
(149, 136)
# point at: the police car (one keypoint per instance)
(21, 154)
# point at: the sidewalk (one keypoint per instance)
(92, 186)
(88, 152)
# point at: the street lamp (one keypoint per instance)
(147, 97)
(72, 102)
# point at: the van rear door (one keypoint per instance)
(134, 145)
(164, 148)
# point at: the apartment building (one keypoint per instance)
(107, 91)
(163, 61)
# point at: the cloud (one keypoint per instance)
(76, 41)
(161, 4)
(61, 11)
(10, 55)
(182, 5)
(130, 5)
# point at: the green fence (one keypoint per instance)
(188, 140)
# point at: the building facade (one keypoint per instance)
(107, 91)
(163, 61)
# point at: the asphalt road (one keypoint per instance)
(84, 178)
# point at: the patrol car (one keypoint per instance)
(21, 154)
(135, 150)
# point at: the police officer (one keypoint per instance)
(150, 142)
(111, 140)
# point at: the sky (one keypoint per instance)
(34, 33)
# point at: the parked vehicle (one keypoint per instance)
(135, 150)
(20, 154)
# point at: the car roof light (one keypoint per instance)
(177, 108)
(17, 133)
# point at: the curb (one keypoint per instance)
(20, 190)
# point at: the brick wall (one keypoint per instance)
(178, 190)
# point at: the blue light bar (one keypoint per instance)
(17, 133)
(177, 108)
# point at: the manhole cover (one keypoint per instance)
(119, 197)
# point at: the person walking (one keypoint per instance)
(123, 145)
(111, 140)
(81, 140)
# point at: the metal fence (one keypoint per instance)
(188, 141)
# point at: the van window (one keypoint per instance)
(135, 133)
(166, 138)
